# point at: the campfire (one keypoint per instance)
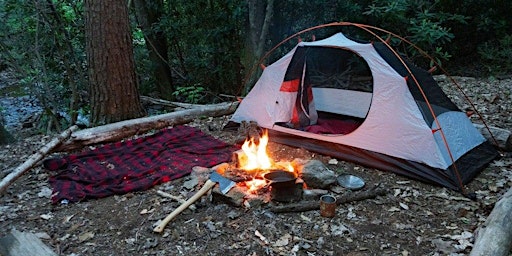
(257, 173)
(254, 178)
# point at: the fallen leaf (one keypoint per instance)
(45, 192)
(283, 241)
(43, 235)
(146, 211)
(339, 230)
(85, 236)
(443, 246)
(304, 218)
(333, 161)
(393, 209)
(261, 237)
(46, 216)
(68, 218)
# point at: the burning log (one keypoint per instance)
(315, 205)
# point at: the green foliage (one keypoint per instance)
(42, 41)
(206, 41)
(497, 56)
(420, 21)
(191, 94)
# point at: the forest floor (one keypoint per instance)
(413, 218)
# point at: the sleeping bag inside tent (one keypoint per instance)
(362, 103)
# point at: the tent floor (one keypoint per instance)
(330, 123)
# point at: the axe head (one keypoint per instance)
(224, 184)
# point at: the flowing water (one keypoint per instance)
(16, 107)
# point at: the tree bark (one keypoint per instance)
(112, 81)
(5, 136)
(148, 14)
(260, 17)
(123, 129)
(495, 236)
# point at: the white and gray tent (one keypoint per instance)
(361, 102)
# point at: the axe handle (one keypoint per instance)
(207, 186)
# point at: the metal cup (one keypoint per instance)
(328, 206)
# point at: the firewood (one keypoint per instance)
(175, 198)
(120, 130)
(315, 205)
(35, 158)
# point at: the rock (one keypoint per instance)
(315, 173)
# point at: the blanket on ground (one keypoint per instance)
(134, 165)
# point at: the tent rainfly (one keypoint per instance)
(363, 103)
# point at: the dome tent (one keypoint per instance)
(364, 103)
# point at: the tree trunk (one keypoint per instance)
(5, 136)
(148, 14)
(260, 16)
(112, 82)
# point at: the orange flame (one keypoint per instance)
(255, 184)
(256, 156)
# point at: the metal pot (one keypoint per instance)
(283, 185)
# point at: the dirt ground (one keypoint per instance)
(413, 218)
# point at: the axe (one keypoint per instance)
(224, 184)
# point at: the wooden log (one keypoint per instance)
(123, 129)
(315, 205)
(172, 104)
(175, 198)
(35, 158)
(503, 137)
(23, 244)
(495, 236)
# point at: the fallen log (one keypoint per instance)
(35, 158)
(315, 205)
(500, 138)
(169, 103)
(23, 243)
(117, 131)
(495, 236)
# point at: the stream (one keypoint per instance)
(18, 110)
(16, 106)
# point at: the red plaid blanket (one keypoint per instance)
(134, 165)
